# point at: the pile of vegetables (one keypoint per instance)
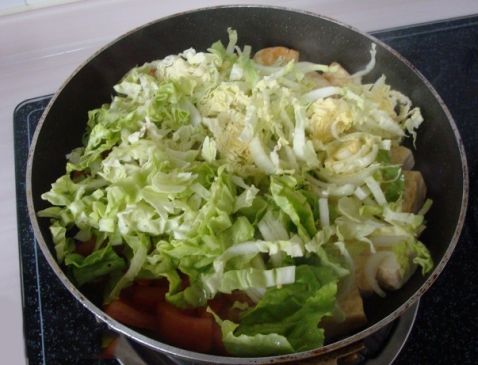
(218, 197)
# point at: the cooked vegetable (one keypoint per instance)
(131, 316)
(295, 310)
(147, 297)
(402, 156)
(262, 190)
(184, 331)
(415, 191)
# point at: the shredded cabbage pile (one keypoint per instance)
(239, 176)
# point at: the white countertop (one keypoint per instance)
(40, 48)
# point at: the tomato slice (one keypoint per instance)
(148, 296)
(217, 344)
(130, 316)
(185, 331)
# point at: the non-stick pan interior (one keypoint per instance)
(319, 40)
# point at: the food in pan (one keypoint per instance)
(243, 205)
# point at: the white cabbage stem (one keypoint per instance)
(371, 270)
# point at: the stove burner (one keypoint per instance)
(381, 348)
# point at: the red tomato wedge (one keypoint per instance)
(130, 316)
(185, 331)
(217, 305)
(148, 296)
(218, 345)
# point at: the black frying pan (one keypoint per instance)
(439, 155)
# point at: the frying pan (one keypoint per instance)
(439, 150)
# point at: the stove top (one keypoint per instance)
(58, 330)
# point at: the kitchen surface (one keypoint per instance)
(40, 45)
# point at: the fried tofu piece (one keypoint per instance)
(352, 307)
(318, 79)
(414, 192)
(391, 275)
(403, 156)
(360, 278)
(272, 55)
(340, 77)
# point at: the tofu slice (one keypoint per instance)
(339, 77)
(360, 278)
(390, 275)
(352, 308)
(414, 193)
(271, 55)
(318, 79)
(402, 156)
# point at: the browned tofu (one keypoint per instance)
(318, 79)
(272, 55)
(338, 78)
(360, 277)
(414, 193)
(355, 318)
(390, 274)
(402, 156)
